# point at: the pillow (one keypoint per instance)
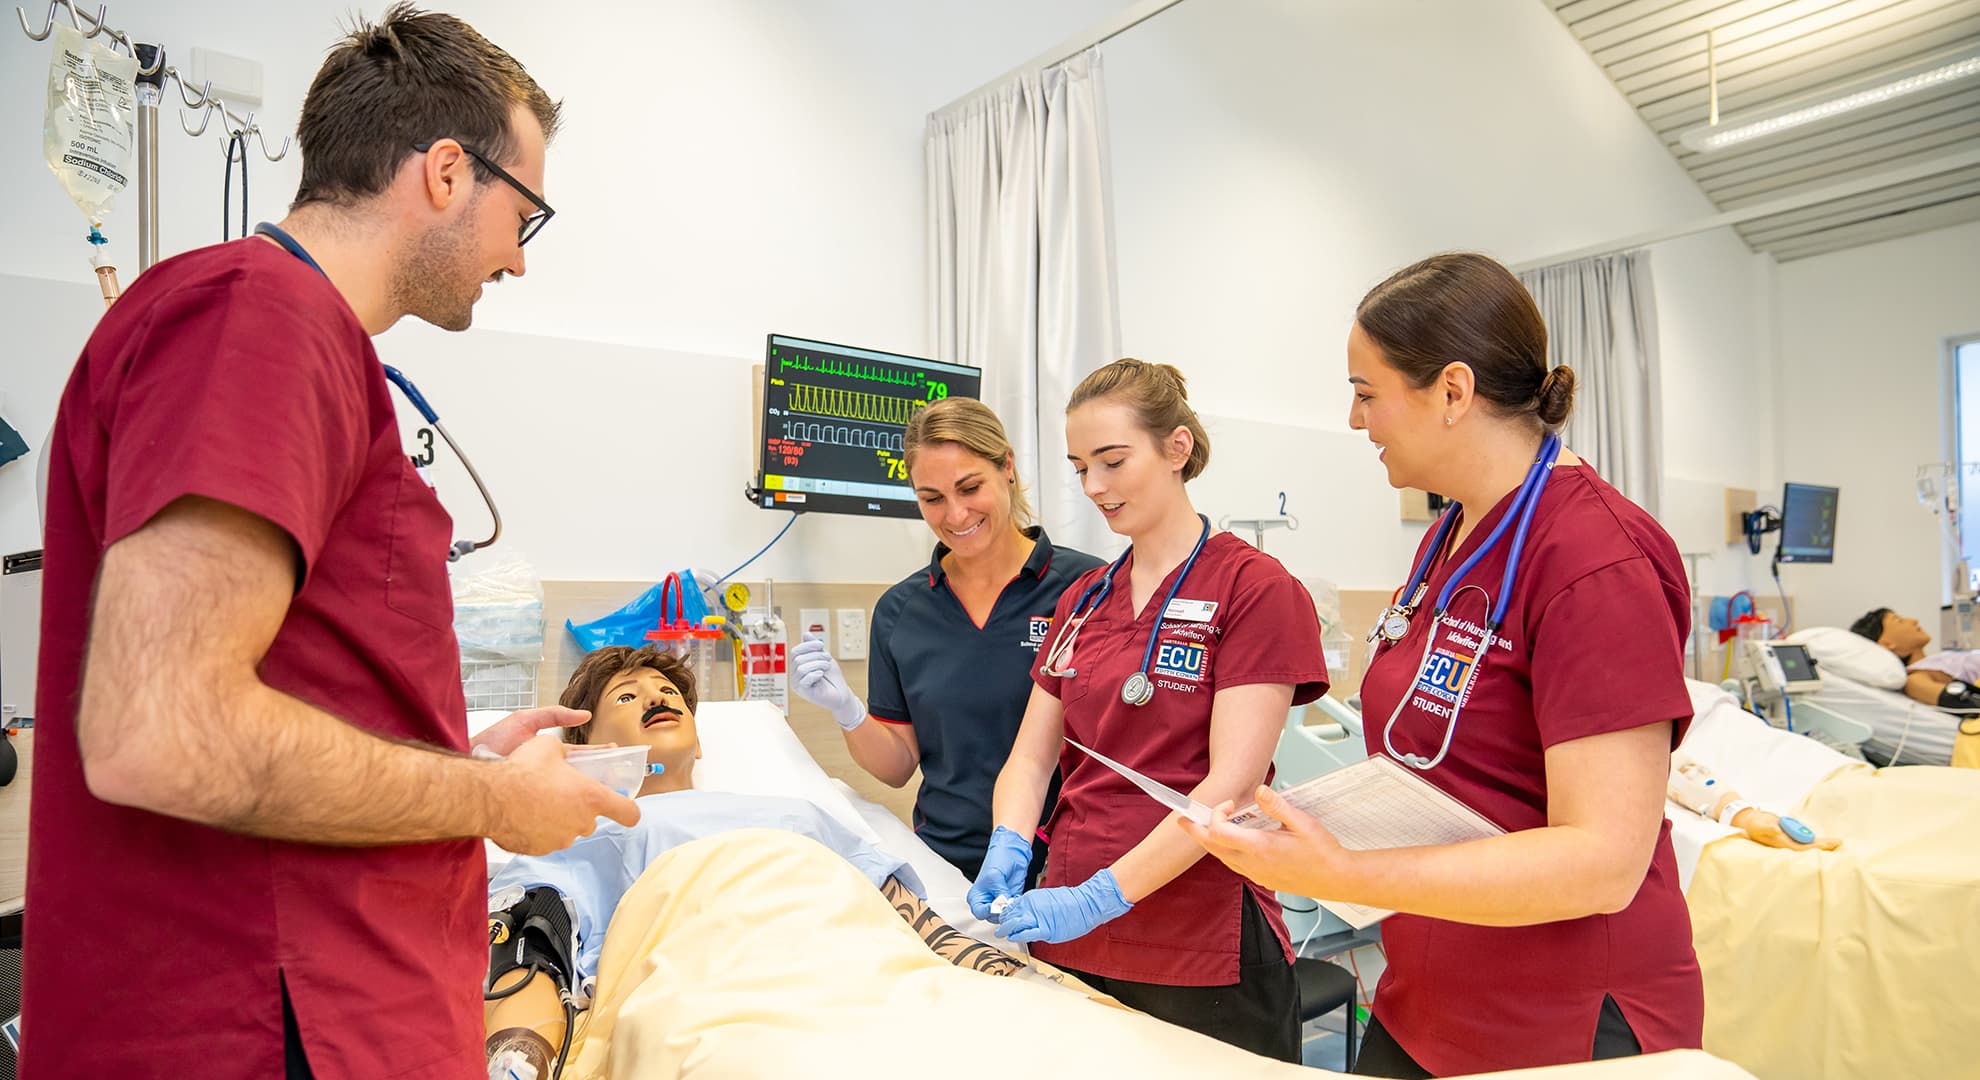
(1852, 656)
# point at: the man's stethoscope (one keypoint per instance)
(405, 385)
(1138, 688)
(1394, 623)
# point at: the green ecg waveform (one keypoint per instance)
(847, 370)
(850, 405)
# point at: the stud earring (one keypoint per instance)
(1448, 421)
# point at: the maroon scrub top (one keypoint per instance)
(1593, 643)
(155, 945)
(1263, 629)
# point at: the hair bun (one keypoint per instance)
(1555, 399)
(1174, 375)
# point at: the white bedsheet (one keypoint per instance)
(1919, 734)
(1767, 766)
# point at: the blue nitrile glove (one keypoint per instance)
(1005, 864)
(817, 679)
(1064, 913)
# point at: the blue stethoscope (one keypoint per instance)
(1138, 689)
(1394, 623)
(405, 385)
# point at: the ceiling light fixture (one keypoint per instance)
(1875, 90)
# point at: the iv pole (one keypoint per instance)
(151, 77)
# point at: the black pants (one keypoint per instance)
(1381, 1055)
(1259, 1013)
(295, 1064)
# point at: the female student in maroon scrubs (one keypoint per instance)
(1567, 938)
(1179, 660)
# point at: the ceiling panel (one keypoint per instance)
(1771, 53)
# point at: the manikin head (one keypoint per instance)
(1898, 633)
(639, 697)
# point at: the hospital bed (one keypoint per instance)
(759, 954)
(1863, 683)
(1902, 731)
(1857, 962)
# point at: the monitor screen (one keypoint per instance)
(1808, 524)
(1795, 662)
(833, 421)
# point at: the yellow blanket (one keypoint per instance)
(1859, 962)
(762, 954)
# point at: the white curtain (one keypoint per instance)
(1601, 318)
(1021, 259)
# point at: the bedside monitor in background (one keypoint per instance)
(1808, 524)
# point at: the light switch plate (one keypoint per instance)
(852, 634)
(815, 622)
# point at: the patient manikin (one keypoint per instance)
(1694, 787)
(646, 697)
(1948, 680)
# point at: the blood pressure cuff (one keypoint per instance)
(1959, 696)
(535, 932)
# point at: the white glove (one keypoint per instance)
(817, 679)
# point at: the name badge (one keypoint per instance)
(1180, 610)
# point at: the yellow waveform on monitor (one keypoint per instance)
(853, 405)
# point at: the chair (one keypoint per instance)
(1324, 987)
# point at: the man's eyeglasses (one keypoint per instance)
(532, 224)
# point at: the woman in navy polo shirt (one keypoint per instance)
(949, 669)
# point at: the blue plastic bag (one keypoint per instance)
(629, 624)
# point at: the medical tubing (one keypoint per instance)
(1491, 540)
(1077, 617)
(570, 1025)
(1788, 704)
(1548, 448)
(1437, 540)
(1524, 502)
(469, 547)
(227, 188)
(1787, 613)
(398, 378)
(759, 554)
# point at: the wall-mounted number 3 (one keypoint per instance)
(425, 456)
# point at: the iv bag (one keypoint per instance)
(91, 121)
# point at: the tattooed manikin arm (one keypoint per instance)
(944, 940)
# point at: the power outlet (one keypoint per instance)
(815, 622)
(852, 634)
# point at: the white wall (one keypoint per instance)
(725, 170)
(1862, 388)
(1273, 159)
(1716, 347)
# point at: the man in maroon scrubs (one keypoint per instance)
(254, 821)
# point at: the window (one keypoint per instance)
(1966, 443)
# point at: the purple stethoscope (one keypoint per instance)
(1393, 626)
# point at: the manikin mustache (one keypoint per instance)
(659, 711)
